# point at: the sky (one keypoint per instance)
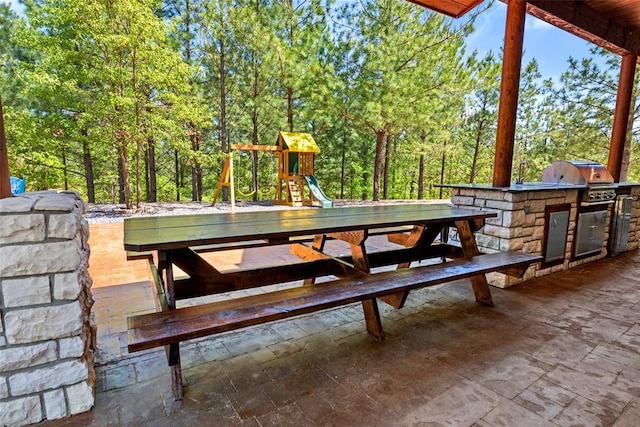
(549, 45)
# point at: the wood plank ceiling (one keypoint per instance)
(453, 8)
(612, 24)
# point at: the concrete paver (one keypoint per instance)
(559, 350)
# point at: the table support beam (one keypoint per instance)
(317, 245)
(372, 319)
(469, 250)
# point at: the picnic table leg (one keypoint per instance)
(173, 350)
(470, 249)
(369, 307)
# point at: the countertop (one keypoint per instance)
(532, 186)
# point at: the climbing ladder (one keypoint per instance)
(295, 190)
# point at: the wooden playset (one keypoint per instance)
(295, 151)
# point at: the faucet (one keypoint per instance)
(523, 164)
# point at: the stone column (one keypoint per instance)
(47, 338)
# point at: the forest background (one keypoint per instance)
(132, 101)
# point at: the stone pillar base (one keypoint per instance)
(47, 339)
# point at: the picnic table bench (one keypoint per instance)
(178, 242)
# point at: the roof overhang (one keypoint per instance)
(611, 24)
(297, 142)
(453, 8)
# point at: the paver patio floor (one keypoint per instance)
(558, 350)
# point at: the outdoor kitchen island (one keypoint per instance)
(546, 219)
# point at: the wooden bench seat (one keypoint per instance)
(174, 326)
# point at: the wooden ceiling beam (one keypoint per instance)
(576, 17)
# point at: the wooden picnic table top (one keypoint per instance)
(175, 232)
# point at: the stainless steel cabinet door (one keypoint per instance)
(590, 233)
(557, 236)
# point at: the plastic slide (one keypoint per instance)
(325, 202)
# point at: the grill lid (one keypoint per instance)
(577, 173)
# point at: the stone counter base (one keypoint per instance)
(520, 225)
(47, 339)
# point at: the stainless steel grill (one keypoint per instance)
(599, 182)
(598, 194)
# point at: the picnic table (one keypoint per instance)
(178, 241)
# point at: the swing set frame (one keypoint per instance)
(226, 177)
(296, 154)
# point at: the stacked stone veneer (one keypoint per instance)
(634, 228)
(519, 225)
(46, 336)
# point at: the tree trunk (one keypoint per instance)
(223, 100)
(476, 153)
(146, 173)
(443, 164)
(290, 108)
(124, 162)
(196, 169)
(385, 182)
(134, 85)
(65, 171)
(121, 196)
(421, 178)
(88, 168)
(176, 161)
(343, 163)
(200, 189)
(194, 135)
(152, 189)
(289, 87)
(138, 172)
(377, 169)
(254, 120)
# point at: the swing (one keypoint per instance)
(238, 183)
(267, 193)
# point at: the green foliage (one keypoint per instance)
(131, 101)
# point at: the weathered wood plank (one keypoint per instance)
(319, 266)
(172, 232)
(318, 246)
(469, 250)
(157, 329)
